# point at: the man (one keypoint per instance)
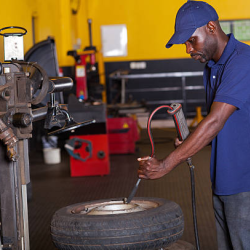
(227, 125)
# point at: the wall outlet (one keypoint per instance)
(138, 65)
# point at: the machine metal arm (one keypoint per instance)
(22, 85)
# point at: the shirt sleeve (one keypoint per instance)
(234, 88)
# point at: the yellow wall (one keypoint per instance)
(52, 18)
(149, 23)
(16, 13)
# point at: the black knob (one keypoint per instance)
(22, 119)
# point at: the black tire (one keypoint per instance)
(154, 228)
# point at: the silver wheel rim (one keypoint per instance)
(115, 207)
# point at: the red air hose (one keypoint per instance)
(149, 127)
(191, 167)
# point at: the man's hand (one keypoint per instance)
(151, 168)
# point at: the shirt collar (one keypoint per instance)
(226, 53)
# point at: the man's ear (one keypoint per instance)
(211, 27)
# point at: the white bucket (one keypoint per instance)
(52, 155)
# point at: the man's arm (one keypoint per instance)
(204, 133)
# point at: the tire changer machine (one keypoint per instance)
(22, 85)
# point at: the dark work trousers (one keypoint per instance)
(232, 214)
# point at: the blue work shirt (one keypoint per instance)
(228, 81)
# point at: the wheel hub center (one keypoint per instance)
(115, 207)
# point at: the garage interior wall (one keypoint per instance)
(149, 24)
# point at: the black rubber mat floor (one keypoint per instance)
(53, 188)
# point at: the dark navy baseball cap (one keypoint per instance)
(191, 15)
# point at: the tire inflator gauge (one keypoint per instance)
(179, 120)
(175, 110)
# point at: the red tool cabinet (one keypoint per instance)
(96, 155)
(122, 135)
(88, 146)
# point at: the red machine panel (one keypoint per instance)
(94, 153)
(122, 135)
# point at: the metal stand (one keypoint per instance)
(14, 176)
(182, 87)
